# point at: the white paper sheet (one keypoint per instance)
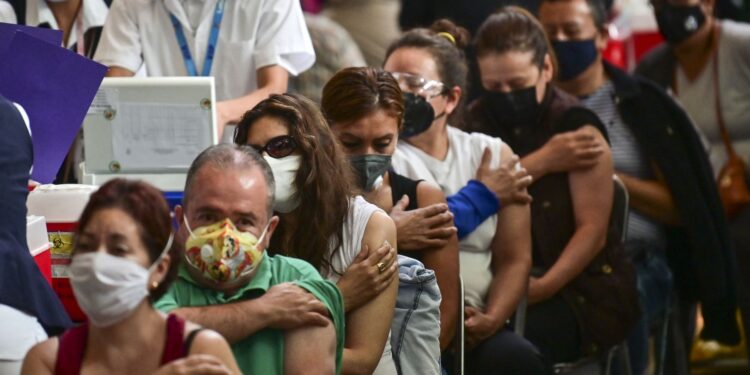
(159, 136)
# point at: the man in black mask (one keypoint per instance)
(675, 210)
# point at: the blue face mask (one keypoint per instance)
(574, 56)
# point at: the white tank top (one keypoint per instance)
(451, 174)
(360, 212)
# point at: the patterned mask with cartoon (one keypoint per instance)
(221, 252)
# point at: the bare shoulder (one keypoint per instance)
(42, 358)
(429, 194)
(380, 225)
(204, 338)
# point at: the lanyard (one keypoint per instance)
(213, 38)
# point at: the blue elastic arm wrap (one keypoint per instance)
(471, 206)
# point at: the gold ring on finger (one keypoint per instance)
(381, 267)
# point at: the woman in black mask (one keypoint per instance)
(581, 293)
(495, 255)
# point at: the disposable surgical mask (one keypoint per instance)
(284, 171)
(109, 288)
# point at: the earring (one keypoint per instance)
(154, 285)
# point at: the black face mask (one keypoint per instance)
(678, 23)
(518, 107)
(418, 115)
(368, 168)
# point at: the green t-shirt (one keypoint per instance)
(263, 352)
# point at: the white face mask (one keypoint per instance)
(284, 172)
(109, 288)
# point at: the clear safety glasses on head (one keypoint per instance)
(418, 85)
(109, 288)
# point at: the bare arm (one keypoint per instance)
(211, 343)
(367, 327)
(284, 306)
(272, 79)
(302, 357)
(591, 192)
(511, 258)
(511, 263)
(652, 197)
(41, 359)
(444, 261)
(116, 71)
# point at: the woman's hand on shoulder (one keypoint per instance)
(578, 149)
(428, 227)
(363, 280)
(508, 181)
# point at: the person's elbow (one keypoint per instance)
(302, 357)
(365, 365)
(597, 233)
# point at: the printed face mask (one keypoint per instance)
(677, 23)
(221, 252)
(284, 173)
(369, 169)
(418, 115)
(109, 288)
(519, 107)
(574, 56)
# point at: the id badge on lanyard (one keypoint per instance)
(212, 41)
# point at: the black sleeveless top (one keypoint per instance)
(401, 186)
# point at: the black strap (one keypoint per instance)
(189, 339)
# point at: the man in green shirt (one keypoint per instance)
(278, 314)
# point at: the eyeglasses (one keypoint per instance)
(278, 147)
(419, 85)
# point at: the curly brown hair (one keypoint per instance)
(324, 181)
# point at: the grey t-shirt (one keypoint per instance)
(734, 85)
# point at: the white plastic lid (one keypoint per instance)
(36, 234)
(59, 203)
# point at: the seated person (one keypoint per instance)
(230, 284)
(496, 256)
(249, 47)
(122, 262)
(365, 109)
(581, 277)
(326, 224)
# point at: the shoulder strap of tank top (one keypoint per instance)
(70, 351)
(173, 345)
(190, 338)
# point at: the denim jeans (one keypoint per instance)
(415, 329)
(654, 289)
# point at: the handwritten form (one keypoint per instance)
(148, 136)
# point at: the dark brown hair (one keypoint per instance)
(598, 11)
(513, 29)
(446, 43)
(354, 93)
(147, 207)
(324, 180)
